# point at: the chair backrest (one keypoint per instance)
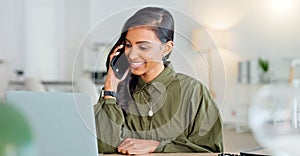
(34, 84)
(294, 70)
(86, 85)
(6, 74)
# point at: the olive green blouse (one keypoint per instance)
(185, 117)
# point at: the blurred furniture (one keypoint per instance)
(86, 85)
(94, 60)
(244, 95)
(50, 86)
(295, 69)
(58, 86)
(34, 84)
(5, 75)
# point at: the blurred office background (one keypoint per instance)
(49, 44)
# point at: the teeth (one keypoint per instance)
(136, 64)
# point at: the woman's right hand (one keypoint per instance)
(112, 81)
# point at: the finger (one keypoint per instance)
(118, 48)
(116, 51)
(138, 152)
(124, 152)
(122, 144)
(128, 145)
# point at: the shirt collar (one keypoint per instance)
(160, 82)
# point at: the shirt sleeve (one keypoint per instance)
(204, 134)
(109, 122)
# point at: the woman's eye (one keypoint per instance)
(127, 45)
(144, 48)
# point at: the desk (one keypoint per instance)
(51, 86)
(64, 86)
(169, 154)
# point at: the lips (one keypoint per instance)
(136, 64)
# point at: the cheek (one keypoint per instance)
(154, 55)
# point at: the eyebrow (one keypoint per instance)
(138, 42)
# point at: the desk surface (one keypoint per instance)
(169, 154)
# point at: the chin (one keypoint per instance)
(137, 72)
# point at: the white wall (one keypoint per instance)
(76, 27)
(10, 32)
(42, 36)
(43, 39)
(252, 29)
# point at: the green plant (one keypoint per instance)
(264, 64)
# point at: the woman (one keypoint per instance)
(155, 109)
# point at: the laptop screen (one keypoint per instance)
(62, 123)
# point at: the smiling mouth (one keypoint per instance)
(136, 64)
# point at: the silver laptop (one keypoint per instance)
(63, 124)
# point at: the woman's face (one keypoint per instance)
(144, 51)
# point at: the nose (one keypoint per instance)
(132, 54)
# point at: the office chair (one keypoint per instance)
(86, 85)
(34, 84)
(5, 75)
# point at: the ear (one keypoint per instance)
(168, 47)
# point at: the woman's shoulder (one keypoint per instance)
(190, 82)
(187, 79)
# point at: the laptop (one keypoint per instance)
(63, 124)
(255, 152)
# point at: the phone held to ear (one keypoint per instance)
(120, 63)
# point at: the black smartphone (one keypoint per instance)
(120, 63)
